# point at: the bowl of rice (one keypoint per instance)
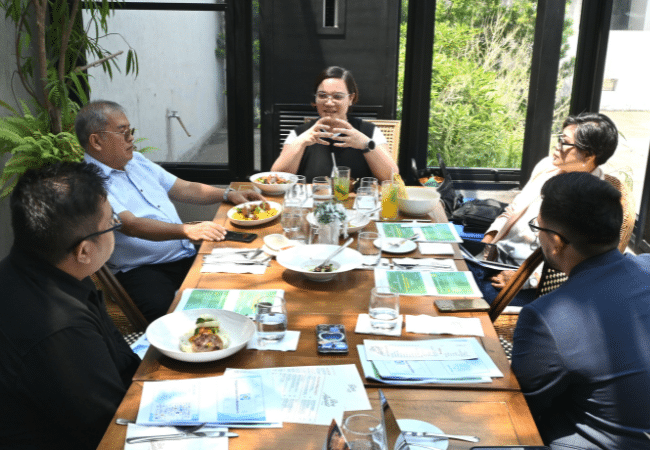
(273, 183)
(251, 214)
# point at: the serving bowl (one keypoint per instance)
(165, 333)
(305, 257)
(273, 189)
(420, 201)
(252, 223)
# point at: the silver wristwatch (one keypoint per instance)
(226, 192)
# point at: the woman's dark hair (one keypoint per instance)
(341, 73)
(55, 206)
(586, 209)
(595, 134)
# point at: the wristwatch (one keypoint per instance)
(370, 146)
(226, 192)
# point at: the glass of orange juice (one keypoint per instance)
(389, 202)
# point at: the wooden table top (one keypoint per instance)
(496, 412)
(496, 417)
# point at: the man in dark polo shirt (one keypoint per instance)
(64, 368)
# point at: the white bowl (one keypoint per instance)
(252, 223)
(420, 201)
(354, 224)
(273, 189)
(302, 257)
(165, 333)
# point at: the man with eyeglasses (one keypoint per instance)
(65, 368)
(582, 352)
(153, 250)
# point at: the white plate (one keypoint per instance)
(273, 189)
(165, 333)
(273, 241)
(252, 223)
(420, 426)
(301, 257)
(354, 225)
(406, 247)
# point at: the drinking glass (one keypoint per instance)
(289, 220)
(363, 432)
(300, 229)
(341, 183)
(389, 202)
(383, 308)
(365, 201)
(296, 194)
(370, 182)
(271, 320)
(366, 246)
(322, 189)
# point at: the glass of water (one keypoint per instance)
(271, 320)
(370, 252)
(383, 308)
(290, 221)
(322, 189)
(366, 201)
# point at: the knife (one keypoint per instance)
(424, 434)
(388, 420)
(170, 437)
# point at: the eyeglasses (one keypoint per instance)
(534, 226)
(116, 225)
(561, 144)
(126, 133)
(322, 97)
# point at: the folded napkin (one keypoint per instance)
(434, 248)
(205, 443)
(460, 326)
(233, 260)
(288, 344)
(432, 264)
(364, 327)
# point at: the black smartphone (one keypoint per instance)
(331, 339)
(513, 447)
(240, 237)
(473, 304)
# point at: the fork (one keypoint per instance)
(403, 241)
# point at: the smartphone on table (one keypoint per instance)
(472, 304)
(236, 236)
(331, 339)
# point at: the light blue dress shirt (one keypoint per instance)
(142, 188)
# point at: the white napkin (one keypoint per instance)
(206, 443)
(224, 260)
(364, 327)
(288, 344)
(460, 326)
(431, 264)
(435, 248)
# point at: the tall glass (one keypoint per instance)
(271, 320)
(365, 202)
(321, 189)
(389, 202)
(296, 194)
(341, 183)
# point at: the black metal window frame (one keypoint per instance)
(239, 82)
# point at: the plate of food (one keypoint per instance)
(356, 222)
(305, 259)
(273, 183)
(254, 213)
(200, 335)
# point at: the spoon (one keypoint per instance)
(336, 252)
(403, 241)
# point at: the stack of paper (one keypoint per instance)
(425, 232)
(415, 282)
(457, 360)
(239, 301)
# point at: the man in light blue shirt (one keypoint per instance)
(153, 250)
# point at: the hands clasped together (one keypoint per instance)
(336, 129)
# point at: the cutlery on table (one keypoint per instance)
(182, 435)
(338, 250)
(238, 262)
(423, 434)
(402, 241)
(408, 266)
(254, 254)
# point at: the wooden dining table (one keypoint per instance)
(496, 412)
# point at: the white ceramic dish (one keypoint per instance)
(302, 257)
(420, 201)
(275, 243)
(354, 224)
(165, 333)
(406, 247)
(420, 426)
(252, 223)
(273, 189)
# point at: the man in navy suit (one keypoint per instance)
(582, 353)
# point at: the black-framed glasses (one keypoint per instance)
(534, 226)
(322, 97)
(116, 225)
(126, 133)
(561, 144)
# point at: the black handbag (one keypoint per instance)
(478, 215)
(448, 194)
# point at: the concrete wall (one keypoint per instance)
(628, 64)
(179, 71)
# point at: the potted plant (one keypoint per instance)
(332, 220)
